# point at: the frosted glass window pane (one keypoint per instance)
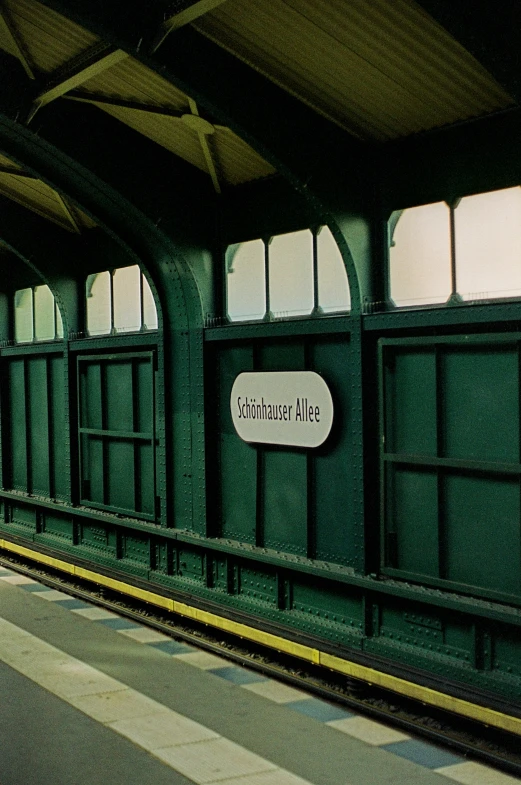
(488, 245)
(98, 304)
(291, 274)
(59, 323)
(246, 281)
(149, 307)
(127, 301)
(44, 314)
(23, 315)
(420, 256)
(333, 288)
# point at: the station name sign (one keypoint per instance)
(292, 408)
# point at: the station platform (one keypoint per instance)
(90, 698)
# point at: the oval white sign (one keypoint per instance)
(293, 408)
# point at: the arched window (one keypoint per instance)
(246, 281)
(420, 255)
(333, 286)
(487, 229)
(36, 315)
(119, 301)
(293, 275)
(471, 250)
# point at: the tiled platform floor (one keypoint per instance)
(202, 733)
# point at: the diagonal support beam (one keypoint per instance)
(67, 212)
(95, 98)
(77, 71)
(17, 172)
(203, 140)
(9, 29)
(186, 11)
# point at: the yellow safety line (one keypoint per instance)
(416, 691)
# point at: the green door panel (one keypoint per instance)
(237, 460)
(18, 424)
(117, 432)
(481, 404)
(450, 460)
(36, 417)
(482, 533)
(119, 396)
(332, 499)
(59, 473)
(284, 504)
(39, 426)
(410, 379)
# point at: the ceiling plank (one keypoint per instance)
(491, 33)
(9, 28)
(77, 71)
(187, 13)
(34, 207)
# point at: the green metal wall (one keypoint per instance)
(450, 461)
(288, 500)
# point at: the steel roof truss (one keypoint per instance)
(76, 72)
(96, 98)
(9, 28)
(209, 157)
(186, 11)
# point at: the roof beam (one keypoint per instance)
(66, 210)
(96, 98)
(80, 69)
(17, 172)
(9, 29)
(282, 129)
(204, 130)
(187, 11)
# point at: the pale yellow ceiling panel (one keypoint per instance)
(379, 69)
(4, 161)
(50, 38)
(132, 81)
(83, 220)
(6, 41)
(169, 132)
(236, 161)
(36, 196)
(409, 47)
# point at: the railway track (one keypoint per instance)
(471, 739)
